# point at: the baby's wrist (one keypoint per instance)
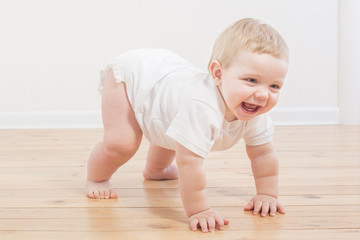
(274, 195)
(198, 212)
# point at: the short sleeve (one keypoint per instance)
(259, 130)
(195, 126)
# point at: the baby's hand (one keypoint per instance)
(264, 204)
(207, 221)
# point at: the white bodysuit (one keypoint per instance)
(175, 102)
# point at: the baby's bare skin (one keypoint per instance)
(100, 190)
(169, 173)
(104, 189)
(122, 138)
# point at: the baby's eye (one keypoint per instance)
(251, 80)
(275, 86)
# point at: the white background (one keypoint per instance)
(51, 52)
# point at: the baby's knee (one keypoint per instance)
(120, 147)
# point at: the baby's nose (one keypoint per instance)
(262, 94)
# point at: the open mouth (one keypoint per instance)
(250, 108)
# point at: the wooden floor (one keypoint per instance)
(42, 195)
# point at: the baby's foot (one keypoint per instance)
(168, 173)
(100, 190)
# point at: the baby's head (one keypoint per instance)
(249, 64)
(248, 34)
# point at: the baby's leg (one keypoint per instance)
(159, 164)
(122, 137)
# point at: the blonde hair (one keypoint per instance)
(248, 34)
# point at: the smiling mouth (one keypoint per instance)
(250, 108)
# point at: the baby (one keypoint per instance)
(186, 113)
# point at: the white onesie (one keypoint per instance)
(175, 102)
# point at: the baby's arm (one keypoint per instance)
(192, 182)
(265, 168)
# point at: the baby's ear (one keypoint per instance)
(215, 68)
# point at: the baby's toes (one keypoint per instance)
(90, 194)
(97, 194)
(102, 193)
(113, 194)
(100, 190)
(94, 194)
(106, 194)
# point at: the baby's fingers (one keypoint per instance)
(208, 224)
(276, 207)
(202, 222)
(221, 222)
(250, 206)
(272, 209)
(280, 208)
(257, 207)
(211, 224)
(265, 209)
(194, 224)
(204, 225)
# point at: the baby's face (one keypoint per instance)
(251, 84)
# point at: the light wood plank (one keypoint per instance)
(258, 234)
(248, 222)
(334, 200)
(172, 191)
(296, 211)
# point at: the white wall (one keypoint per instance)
(52, 51)
(349, 61)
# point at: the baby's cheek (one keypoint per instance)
(275, 100)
